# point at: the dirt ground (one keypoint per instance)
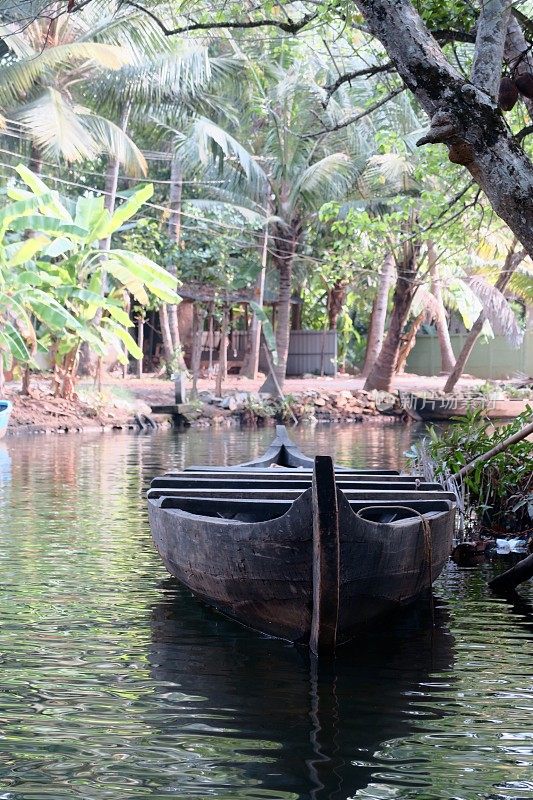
(123, 400)
(160, 392)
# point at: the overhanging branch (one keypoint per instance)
(287, 25)
(367, 72)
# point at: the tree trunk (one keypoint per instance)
(140, 343)
(36, 159)
(447, 357)
(408, 343)
(87, 360)
(111, 178)
(223, 354)
(196, 355)
(168, 345)
(174, 232)
(284, 318)
(336, 300)
(511, 262)
(2, 375)
(379, 315)
(26, 378)
(464, 113)
(284, 245)
(250, 367)
(381, 374)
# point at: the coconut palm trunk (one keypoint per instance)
(381, 375)
(284, 243)
(112, 173)
(378, 315)
(447, 357)
(174, 231)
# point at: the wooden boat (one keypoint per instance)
(447, 408)
(306, 555)
(5, 413)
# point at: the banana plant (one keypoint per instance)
(52, 281)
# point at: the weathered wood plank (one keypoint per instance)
(326, 559)
(292, 494)
(184, 482)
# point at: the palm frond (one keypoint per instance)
(497, 310)
(19, 77)
(110, 139)
(425, 300)
(521, 284)
(55, 128)
(206, 142)
(327, 179)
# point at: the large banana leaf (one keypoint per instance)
(50, 202)
(147, 271)
(49, 311)
(21, 252)
(130, 282)
(126, 211)
(48, 225)
(121, 333)
(17, 345)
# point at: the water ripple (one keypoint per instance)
(116, 684)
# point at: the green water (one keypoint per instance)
(115, 683)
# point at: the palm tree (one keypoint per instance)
(166, 76)
(282, 175)
(44, 80)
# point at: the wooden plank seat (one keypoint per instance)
(292, 494)
(219, 479)
(238, 483)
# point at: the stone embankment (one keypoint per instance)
(310, 406)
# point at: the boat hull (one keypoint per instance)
(261, 573)
(5, 413)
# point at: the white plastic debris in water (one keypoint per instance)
(504, 546)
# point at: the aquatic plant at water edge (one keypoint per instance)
(496, 496)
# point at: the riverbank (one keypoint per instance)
(129, 403)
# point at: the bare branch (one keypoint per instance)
(490, 42)
(288, 26)
(355, 117)
(331, 88)
(445, 36)
(521, 135)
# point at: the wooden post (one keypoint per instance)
(326, 558)
(196, 355)
(140, 342)
(223, 353)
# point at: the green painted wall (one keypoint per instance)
(490, 359)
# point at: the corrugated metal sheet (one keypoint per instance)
(492, 359)
(307, 351)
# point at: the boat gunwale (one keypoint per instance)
(247, 524)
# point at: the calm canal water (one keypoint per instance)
(115, 683)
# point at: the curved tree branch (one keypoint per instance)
(331, 88)
(288, 26)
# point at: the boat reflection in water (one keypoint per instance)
(289, 728)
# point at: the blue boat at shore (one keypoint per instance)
(5, 413)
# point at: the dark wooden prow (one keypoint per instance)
(326, 557)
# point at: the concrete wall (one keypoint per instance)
(492, 359)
